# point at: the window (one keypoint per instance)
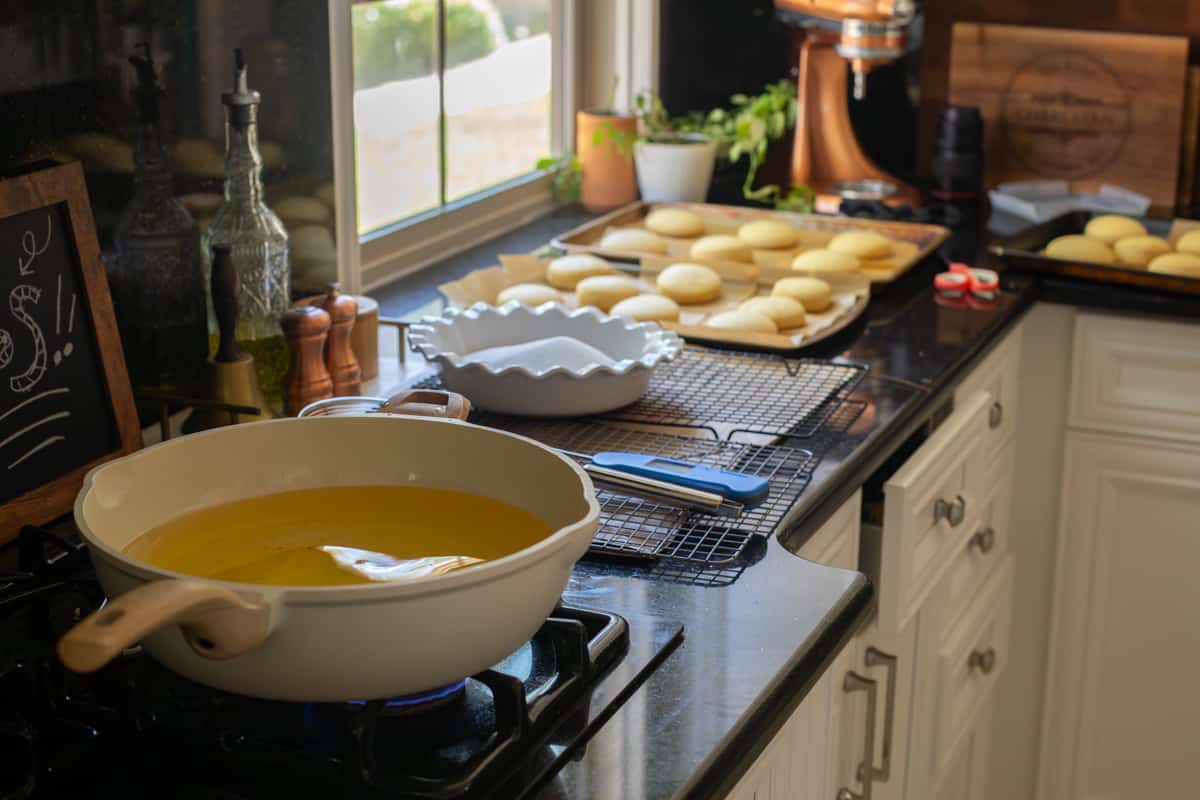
(452, 100)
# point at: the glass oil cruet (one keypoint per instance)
(156, 277)
(255, 237)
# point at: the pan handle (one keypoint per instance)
(215, 621)
(427, 403)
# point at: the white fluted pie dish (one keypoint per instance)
(549, 361)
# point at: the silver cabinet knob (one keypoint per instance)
(984, 540)
(953, 511)
(983, 660)
(995, 415)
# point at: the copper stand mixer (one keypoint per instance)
(828, 33)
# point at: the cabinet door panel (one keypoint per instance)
(1122, 707)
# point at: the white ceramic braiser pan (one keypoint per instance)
(339, 642)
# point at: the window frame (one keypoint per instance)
(375, 258)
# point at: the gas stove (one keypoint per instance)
(134, 729)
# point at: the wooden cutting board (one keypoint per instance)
(1086, 107)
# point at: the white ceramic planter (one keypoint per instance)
(678, 169)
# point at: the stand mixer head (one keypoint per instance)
(867, 34)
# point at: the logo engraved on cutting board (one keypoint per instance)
(1065, 115)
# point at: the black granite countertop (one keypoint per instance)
(752, 649)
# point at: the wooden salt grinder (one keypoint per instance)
(339, 355)
(307, 379)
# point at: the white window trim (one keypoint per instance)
(583, 51)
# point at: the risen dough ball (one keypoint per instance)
(862, 244)
(566, 272)
(767, 234)
(674, 222)
(1110, 227)
(605, 291)
(785, 312)
(742, 321)
(689, 284)
(812, 293)
(832, 261)
(1137, 251)
(1080, 248)
(647, 308)
(1189, 243)
(634, 240)
(1177, 264)
(531, 294)
(722, 248)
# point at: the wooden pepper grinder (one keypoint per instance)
(339, 355)
(307, 379)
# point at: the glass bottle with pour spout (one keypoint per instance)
(155, 275)
(256, 238)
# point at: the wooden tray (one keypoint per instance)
(851, 294)
(916, 241)
(1022, 252)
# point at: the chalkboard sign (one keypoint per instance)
(65, 399)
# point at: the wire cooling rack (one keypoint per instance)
(750, 392)
(701, 391)
(633, 526)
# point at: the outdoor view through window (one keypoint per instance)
(418, 148)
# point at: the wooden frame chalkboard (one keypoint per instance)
(65, 400)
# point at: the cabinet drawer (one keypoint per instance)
(835, 544)
(971, 658)
(1136, 376)
(978, 556)
(998, 376)
(931, 506)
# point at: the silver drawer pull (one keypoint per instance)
(857, 683)
(877, 658)
(983, 660)
(995, 415)
(953, 512)
(984, 540)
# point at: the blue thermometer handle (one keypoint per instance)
(749, 490)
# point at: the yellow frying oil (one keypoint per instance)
(272, 539)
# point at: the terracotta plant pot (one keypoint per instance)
(604, 144)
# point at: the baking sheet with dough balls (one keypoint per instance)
(812, 293)
(530, 294)
(832, 261)
(1080, 248)
(566, 272)
(903, 255)
(1186, 264)
(808, 239)
(1138, 251)
(647, 308)
(862, 244)
(740, 320)
(1108, 228)
(721, 247)
(674, 222)
(689, 284)
(785, 312)
(634, 240)
(1189, 243)
(605, 291)
(768, 234)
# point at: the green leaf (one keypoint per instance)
(739, 99)
(546, 162)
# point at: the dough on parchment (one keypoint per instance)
(530, 294)
(1185, 264)
(605, 291)
(742, 321)
(785, 312)
(722, 248)
(862, 244)
(634, 240)
(647, 308)
(1138, 251)
(567, 271)
(674, 222)
(832, 261)
(689, 284)
(768, 234)
(1109, 228)
(1080, 248)
(812, 293)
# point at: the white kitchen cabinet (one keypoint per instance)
(797, 763)
(1122, 712)
(965, 776)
